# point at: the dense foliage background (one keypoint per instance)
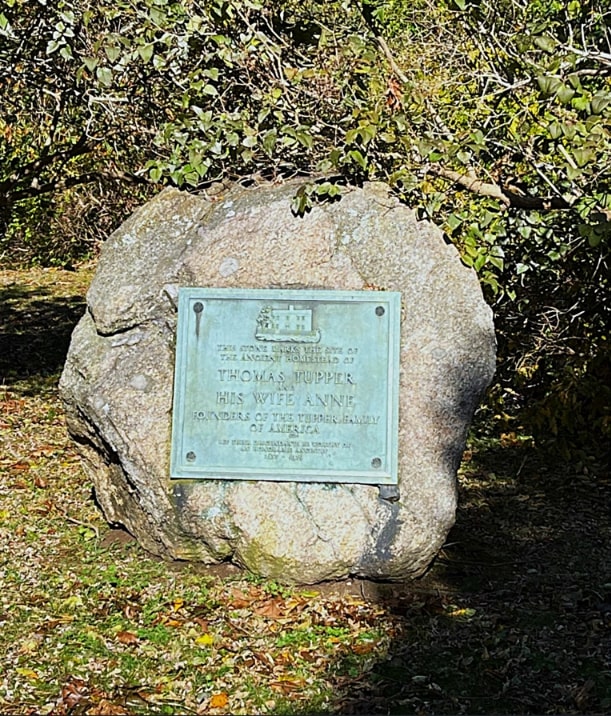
(493, 119)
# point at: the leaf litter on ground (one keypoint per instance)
(510, 619)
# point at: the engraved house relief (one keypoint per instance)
(293, 325)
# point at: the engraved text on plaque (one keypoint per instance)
(286, 385)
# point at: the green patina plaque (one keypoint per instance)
(286, 385)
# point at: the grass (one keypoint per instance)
(513, 617)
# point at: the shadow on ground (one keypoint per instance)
(35, 329)
(514, 617)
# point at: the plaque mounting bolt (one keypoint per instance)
(380, 311)
(376, 462)
(198, 307)
(191, 456)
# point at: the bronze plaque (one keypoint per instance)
(286, 385)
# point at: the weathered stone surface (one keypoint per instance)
(117, 382)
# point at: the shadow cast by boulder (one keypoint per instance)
(35, 334)
(514, 615)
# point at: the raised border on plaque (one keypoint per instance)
(290, 385)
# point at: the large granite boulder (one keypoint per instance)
(118, 378)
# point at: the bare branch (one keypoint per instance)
(508, 196)
(80, 147)
(604, 58)
(472, 183)
(8, 198)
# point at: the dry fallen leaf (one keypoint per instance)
(219, 701)
(287, 686)
(239, 600)
(73, 692)
(107, 708)
(363, 648)
(205, 640)
(272, 608)
(28, 673)
(127, 637)
(175, 623)
(265, 658)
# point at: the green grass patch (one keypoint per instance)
(507, 620)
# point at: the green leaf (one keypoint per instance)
(565, 94)
(490, 280)
(569, 130)
(497, 262)
(454, 221)
(233, 139)
(581, 103)
(157, 16)
(155, 174)
(367, 132)
(549, 85)
(192, 178)
(269, 141)
(547, 43)
(477, 138)
(600, 102)
(104, 74)
(583, 156)
(159, 62)
(112, 52)
(305, 138)
(594, 239)
(68, 17)
(479, 261)
(335, 156)
(357, 157)
(146, 52)
(177, 177)
(301, 202)
(555, 130)
(5, 26)
(90, 63)
(52, 46)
